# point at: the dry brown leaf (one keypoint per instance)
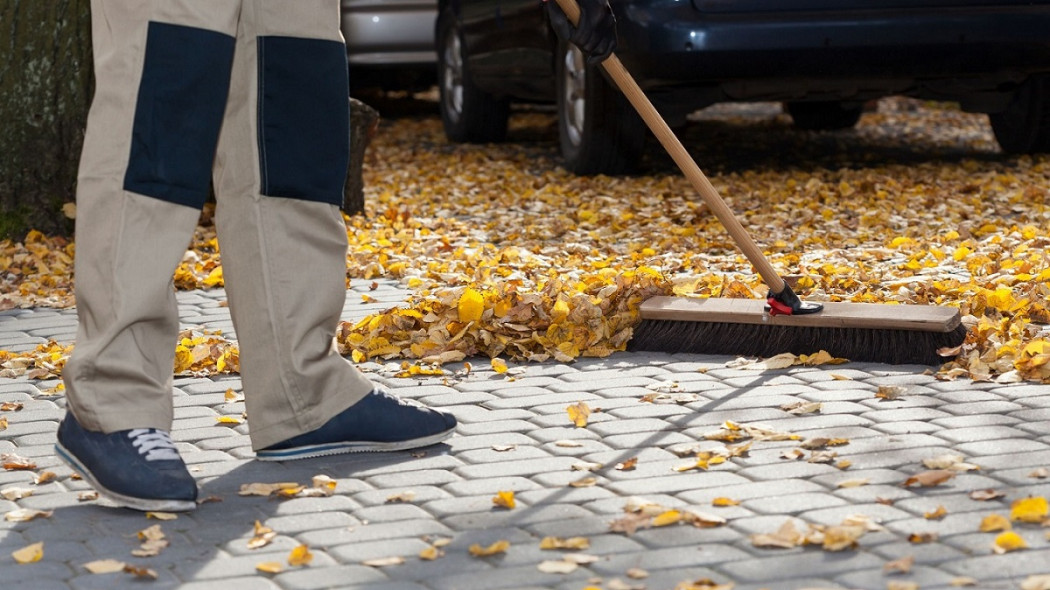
(1040, 473)
(403, 496)
(384, 561)
(1036, 582)
(27, 514)
(627, 465)
(993, 523)
(267, 489)
(630, 523)
(45, 477)
(162, 515)
(963, 581)
(936, 514)
(898, 585)
(902, 565)
(890, 392)
(557, 567)
(584, 482)
(14, 462)
(786, 537)
(985, 495)
(104, 566)
(853, 483)
(14, 494)
(572, 543)
(930, 478)
(919, 538)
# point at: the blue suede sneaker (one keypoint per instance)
(379, 422)
(138, 469)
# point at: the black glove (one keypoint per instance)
(595, 34)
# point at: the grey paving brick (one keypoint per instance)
(793, 470)
(980, 433)
(311, 521)
(908, 427)
(490, 455)
(511, 468)
(925, 577)
(798, 565)
(420, 494)
(1002, 446)
(1013, 565)
(230, 567)
(495, 427)
(402, 529)
(791, 504)
(322, 579)
(505, 577)
(643, 439)
(678, 482)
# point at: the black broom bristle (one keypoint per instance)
(896, 347)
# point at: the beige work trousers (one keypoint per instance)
(284, 258)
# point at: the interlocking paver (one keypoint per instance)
(1003, 428)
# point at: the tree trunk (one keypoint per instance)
(46, 84)
(364, 122)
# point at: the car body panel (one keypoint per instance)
(389, 42)
(687, 54)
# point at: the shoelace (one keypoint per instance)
(155, 445)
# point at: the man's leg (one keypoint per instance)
(162, 77)
(279, 179)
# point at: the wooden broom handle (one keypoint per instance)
(685, 162)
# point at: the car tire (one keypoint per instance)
(599, 130)
(1024, 127)
(824, 115)
(469, 114)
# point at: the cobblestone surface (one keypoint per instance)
(515, 436)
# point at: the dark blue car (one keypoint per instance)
(822, 58)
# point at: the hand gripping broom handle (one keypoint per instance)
(667, 138)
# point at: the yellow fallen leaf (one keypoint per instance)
(853, 483)
(898, 585)
(498, 547)
(266, 489)
(994, 522)
(504, 499)
(498, 365)
(228, 420)
(1008, 541)
(667, 518)
(430, 553)
(1032, 509)
(786, 537)
(104, 566)
(29, 553)
(300, 555)
(963, 581)
(574, 543)
(579, 413)
(723, 501)
(471, 306)
(269, 567)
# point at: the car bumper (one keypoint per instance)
(668, 43)
(389, 32)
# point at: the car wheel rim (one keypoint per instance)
(452, 77)
(574, 84)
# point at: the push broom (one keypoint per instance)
(895, 334)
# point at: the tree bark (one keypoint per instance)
(364, 122)
(46, 84)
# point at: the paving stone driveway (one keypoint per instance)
(513, 437)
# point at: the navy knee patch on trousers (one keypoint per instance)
(304, 118)
(181, 101)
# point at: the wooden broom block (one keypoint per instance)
(877, 316)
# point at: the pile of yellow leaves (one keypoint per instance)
(508, 254)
